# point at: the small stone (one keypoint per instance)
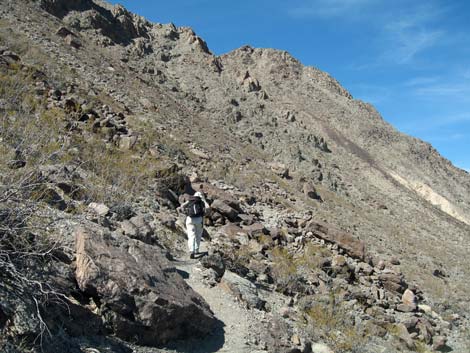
(410, 322)
(439, 342)
(404, 308)
(425, 308)
(381, 265)
(284, 312)
(402, 333)
(321, 348)
(409, 299)
(338, 261)
(99, 208)
(295, 339)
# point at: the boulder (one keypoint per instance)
(401, 332)
(393, 282)
(408, 298)
(404, 308)
(225, 210)
(72, 41)
(439, 342)
(352, 246)
(230, 230)
(255, 230)
(311, 192)
(242, 289)
(99, 208)
(214, 262)
(141, 296)
(127, 142)
(321, 348)
(279, 169)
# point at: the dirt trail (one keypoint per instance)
(238, 326)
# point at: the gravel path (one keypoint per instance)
(238, 326)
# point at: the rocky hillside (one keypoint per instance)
(329, 231)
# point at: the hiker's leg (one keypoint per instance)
(199, 230)
(191, 231)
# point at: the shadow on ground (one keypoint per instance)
(208, 344)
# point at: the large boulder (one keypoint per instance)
(352, 246)
(141, 296)
(242, 289)
(224, 209)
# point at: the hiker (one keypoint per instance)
(194, 208)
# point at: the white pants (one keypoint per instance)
(194, 230)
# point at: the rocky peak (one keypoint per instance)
(115, 23)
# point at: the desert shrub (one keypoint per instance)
(334, 323)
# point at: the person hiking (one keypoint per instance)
(195, 209)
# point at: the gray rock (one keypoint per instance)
(141, 296)
(439, 342)
(242, 289)
(99, 208)
(225, 210)
(353, 246)
(215, 262)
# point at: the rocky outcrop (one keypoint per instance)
(140, 296)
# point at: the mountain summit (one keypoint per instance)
(329, 229)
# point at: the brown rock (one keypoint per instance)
(351, 245)
(392, 281)
(280, 169)
(230, 230)
(311, 192)
(225, 210)
(63, 32)
(255, 230)
(73, 41)
(142, 298)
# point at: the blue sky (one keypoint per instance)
(410, 59)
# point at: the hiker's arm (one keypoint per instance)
(206, 204)
(181, 208)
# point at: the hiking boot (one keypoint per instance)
(191, 256)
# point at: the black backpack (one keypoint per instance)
(195, 207)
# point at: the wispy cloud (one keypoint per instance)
(374, 94)
(438, 122)
(398, 35)
(421, 81)
(330, 8)
(407, 41)
(410, 34)
(454, 90)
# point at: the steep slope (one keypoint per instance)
(259, 120)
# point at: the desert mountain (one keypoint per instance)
(328, 227)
